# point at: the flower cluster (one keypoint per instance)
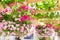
(46, 30)
(18, 17)
(23, 18)
(13, 17)
(8, 27)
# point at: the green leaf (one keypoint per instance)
(7, 17)
(27, 22)
(7, 1)
(5, 30)
(46, 5)
(21, 0)
(4, 5)
(39, 15)
(51, 15)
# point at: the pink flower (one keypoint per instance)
(5, 27)
(18, 3)
(33, 12)
(0, 29)
(49, 25)
(10, 28)
(11, 4)
(1, 10)
(12, 33)
(4, 22)
(3, 33)
(8, 25)
(14, 28)
(0, 17)
(55, 28)
(1, 25)
(22, 29)
(7, 9)
(10, 22)
(17, 25)
(19, 10)
(23, 18)
(25, 7)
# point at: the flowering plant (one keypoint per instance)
(17, 17)
(13, 17)
(46, 30)
(49, 3)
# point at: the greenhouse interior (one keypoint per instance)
(29, 19)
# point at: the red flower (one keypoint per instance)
(23, 18)
(25, 7)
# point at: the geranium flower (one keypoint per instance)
(25, 7)
(23, 18)
(7, 9)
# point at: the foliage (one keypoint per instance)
(46, 5)
(4, 2)
(50, 15)
(16, 15)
